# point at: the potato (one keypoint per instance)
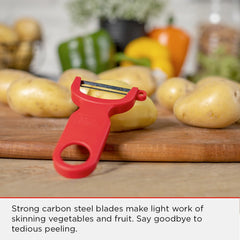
(7, 76)
(40, 97)
(212, 105)
(141, 115)
(135, 76)
(208, 79)
(7, 35)
(28, 29)
(216, 79)
(68, 76)
(6, 57)
(23, 56)
(170, 90)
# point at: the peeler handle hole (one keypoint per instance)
(74, 152)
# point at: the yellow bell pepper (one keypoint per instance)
(147, 48)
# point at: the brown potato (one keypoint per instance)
(208, 79)
(6, 57)
(141, 115)
(172, 89)
(23, 56)
(7, 35)
(7, 76)
(216, 79)
(40, 97)
(212, 105)
(28, 29)
(68, 76)
(135, 76)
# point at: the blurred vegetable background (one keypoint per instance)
(64, 20)
(163, 49)
(140, 11)
(219, 63)
(94, 52)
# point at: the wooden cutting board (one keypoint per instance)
(166, 140)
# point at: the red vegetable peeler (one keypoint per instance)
(89, 126)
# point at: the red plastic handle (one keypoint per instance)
(89, 127)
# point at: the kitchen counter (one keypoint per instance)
(201, 162)
(37, 178)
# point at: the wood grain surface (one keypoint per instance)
(166, 140)
(37, 178)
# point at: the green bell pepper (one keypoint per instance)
(94, 52)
